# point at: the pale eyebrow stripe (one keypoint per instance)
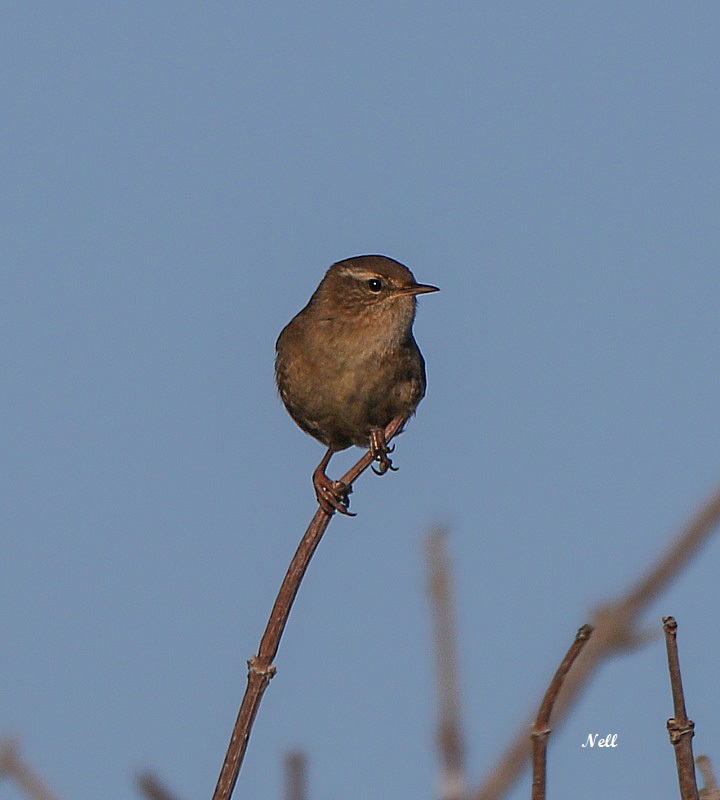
(364, 275)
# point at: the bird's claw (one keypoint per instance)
(333, 496)
(379, 451)
(385, 465)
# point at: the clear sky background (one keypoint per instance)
(176, 178)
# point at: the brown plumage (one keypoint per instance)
(348, 364)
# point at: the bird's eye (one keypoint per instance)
(374, 285)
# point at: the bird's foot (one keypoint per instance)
(331, 495)
(379, 450)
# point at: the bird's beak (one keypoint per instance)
(421, 288)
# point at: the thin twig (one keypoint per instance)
(260, 666)
(680, 728)
(152, 787)
(542, 729)
(710, 790)
(614, 632)
(13, 766)
(449, 734)
(295, 775)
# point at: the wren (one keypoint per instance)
(348, 364)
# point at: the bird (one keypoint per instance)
(348, 365)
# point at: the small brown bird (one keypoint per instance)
(347, 365)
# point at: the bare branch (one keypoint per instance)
(615, 632)
(710, 791)
(260, 667)
(449, 734)
(295, 775)
(151, 786)
(680, 728)
(13, 766)
(542, 729)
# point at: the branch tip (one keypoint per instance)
(670, 625)
(585, 632)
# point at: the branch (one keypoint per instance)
(710, 791)
(295, 777)
(680, 728)
(13, 766)
(449, 734)
(152, 788)
(260, 667)
(615, 632)
(542, 729)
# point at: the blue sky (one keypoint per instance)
(177, 177)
